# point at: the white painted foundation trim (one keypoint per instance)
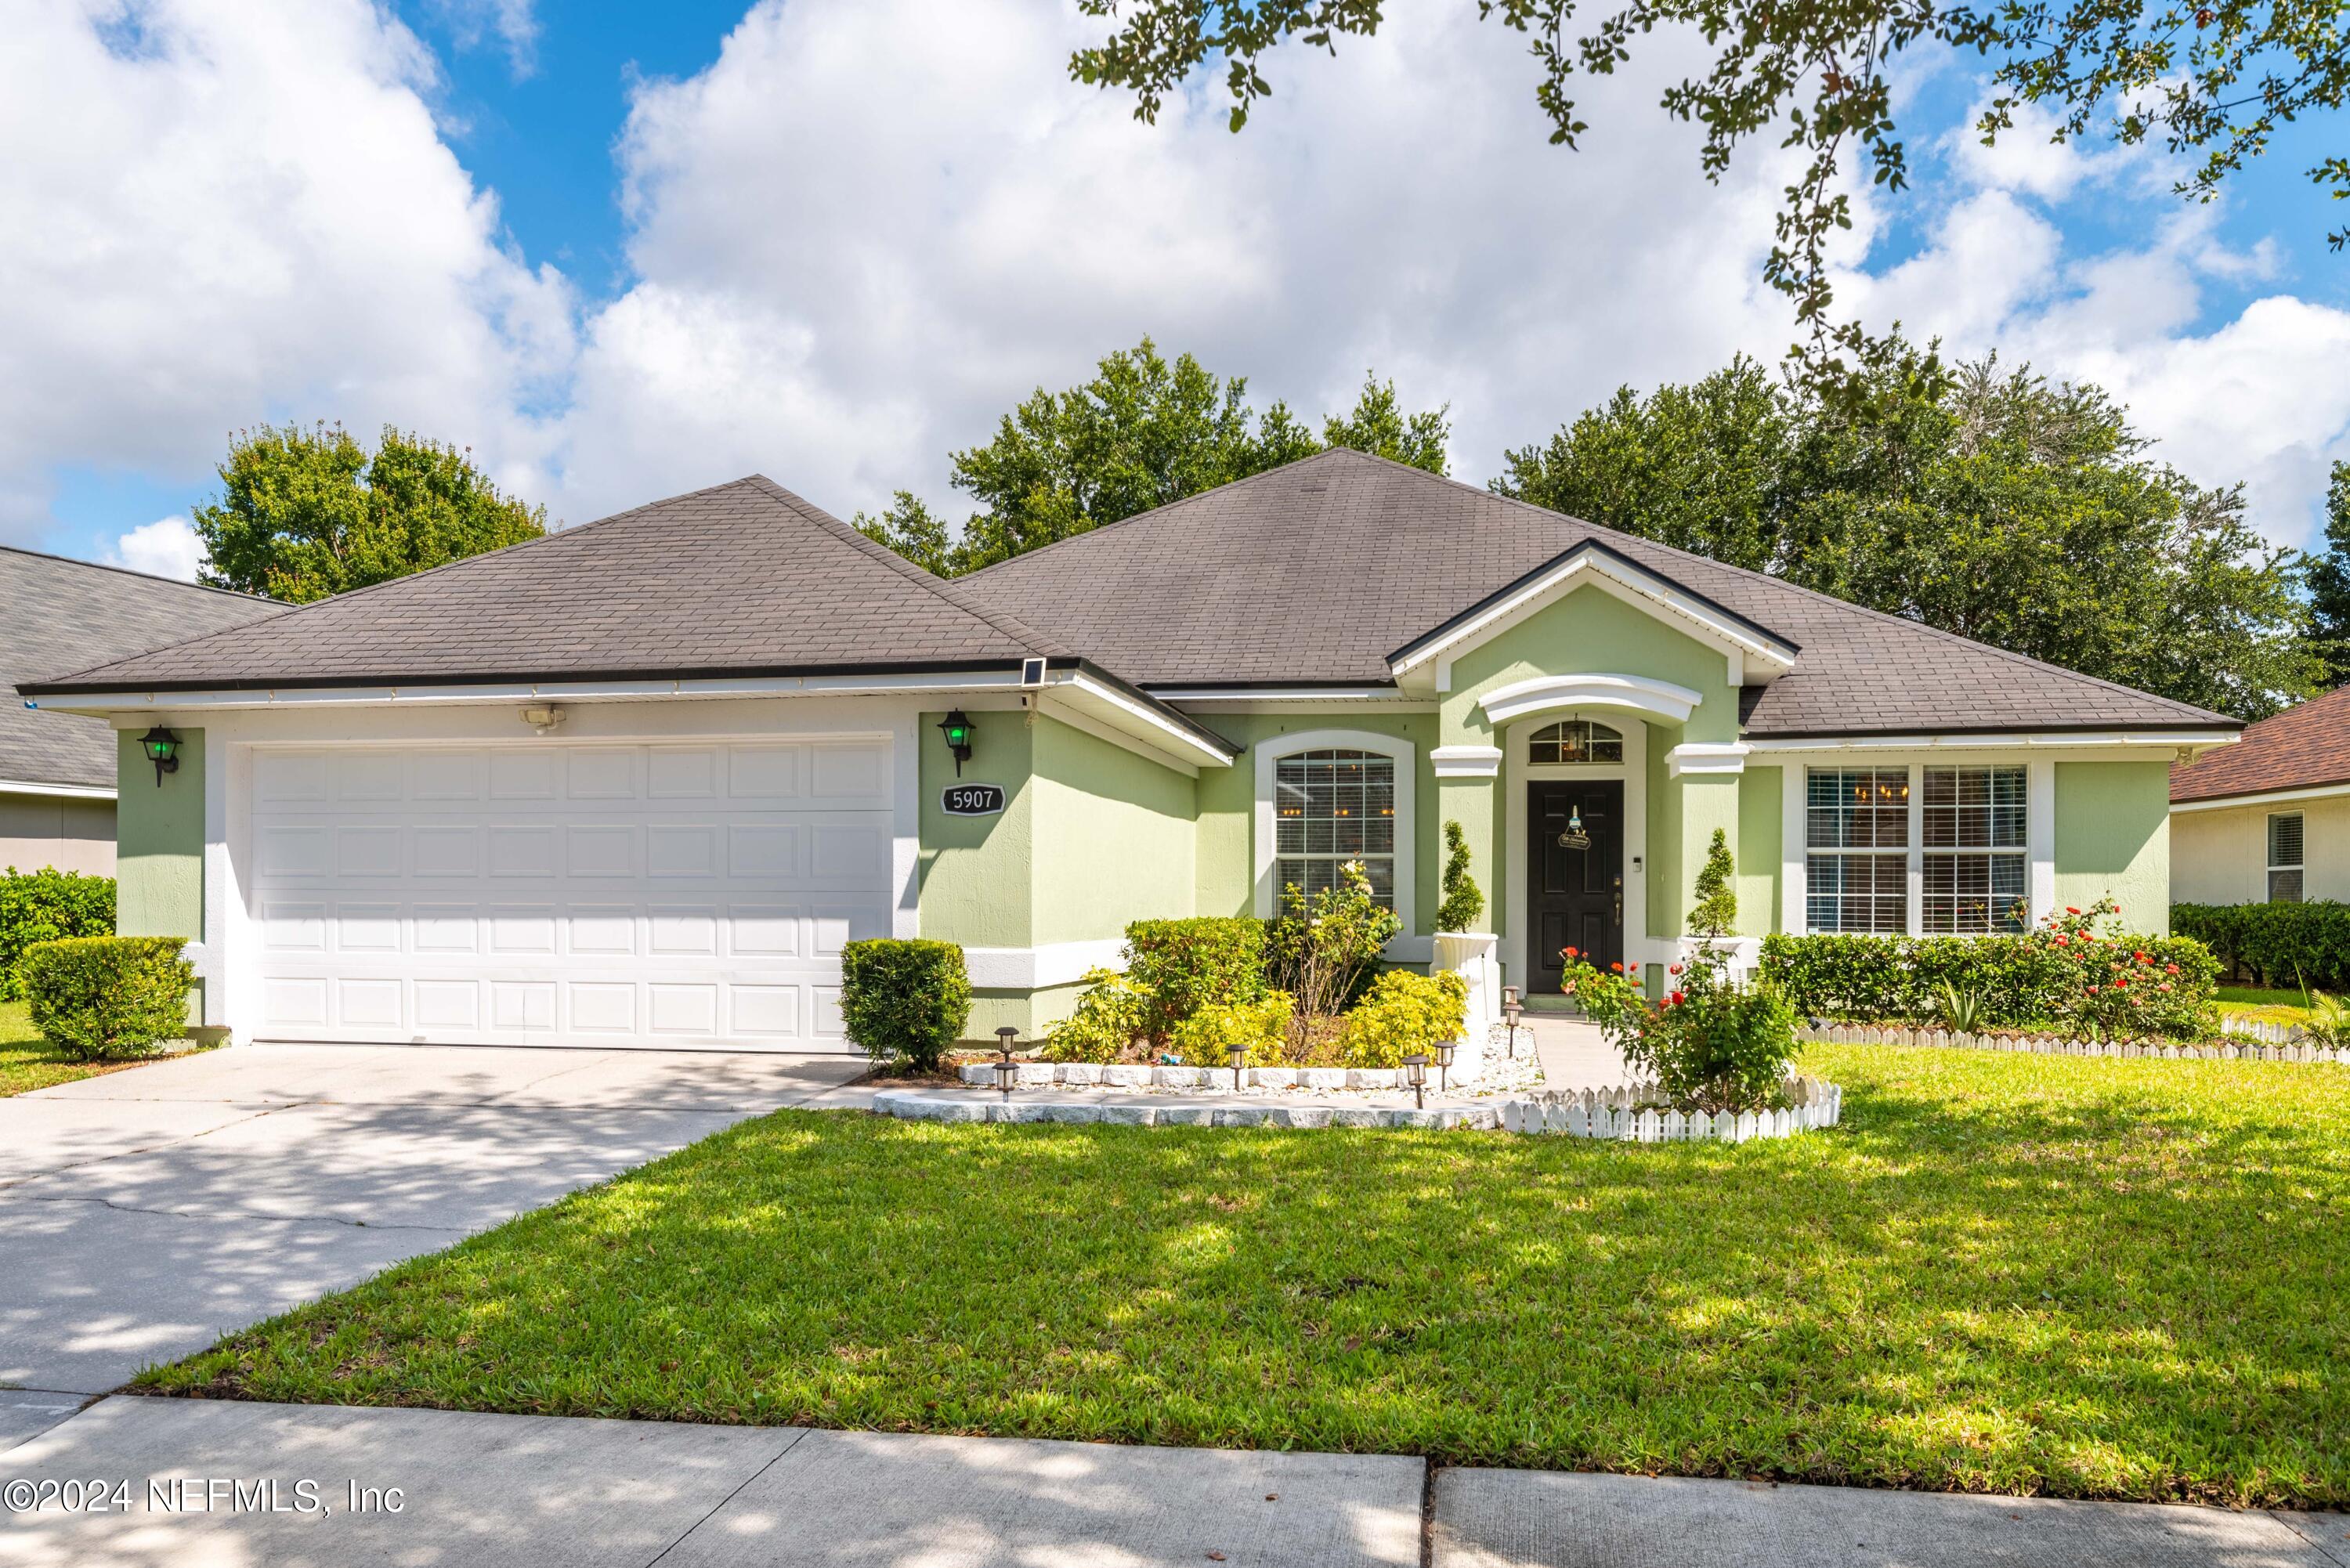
(1668, 702)
(1706, 757)
(1032, 968)
(1466, 762)
(61, 791)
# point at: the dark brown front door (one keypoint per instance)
(1574, 874)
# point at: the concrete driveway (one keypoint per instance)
(145, 1213)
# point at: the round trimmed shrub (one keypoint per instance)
(904, 999)
(108, 998)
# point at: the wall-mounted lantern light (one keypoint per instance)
(957, 727)
(163, 749)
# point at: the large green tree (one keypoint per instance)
(303, 514)
(2329, 580)
(1144, 432)
(1998, 504)
(2211, 80)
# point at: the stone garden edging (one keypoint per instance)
(1197, 1080)
(951, 1105)
(2053, 1045)
(1618, 1113)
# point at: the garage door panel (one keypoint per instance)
(673, 895)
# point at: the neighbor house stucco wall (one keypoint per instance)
(2220, 854)
(159, 841)
(2113, 837)
(65, 832)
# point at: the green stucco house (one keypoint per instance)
(636, 783)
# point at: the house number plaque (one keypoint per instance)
(971, 800)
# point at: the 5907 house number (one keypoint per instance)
(971, 800)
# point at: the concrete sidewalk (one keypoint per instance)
(145, 1213)
(525, 1490)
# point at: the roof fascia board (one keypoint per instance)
(2254, 800)
(104, 703)
(1767, 654)
(1996, 740)
(62, 791)
(1126, 706)
(1073, 710)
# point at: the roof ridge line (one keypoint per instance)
(1009, 625)
(146, 576)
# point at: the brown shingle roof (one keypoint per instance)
(1318, 571)
(2300, 748)
(742, 578)
(60, 615)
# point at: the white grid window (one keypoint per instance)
(1976, 875)
(1574, 741)
(1330, 807)
(2285, 858)
(1856, 849)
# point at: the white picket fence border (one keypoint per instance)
(1618, 1113)
(2292, 1050)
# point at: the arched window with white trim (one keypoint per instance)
(1574, 741)
(1325, 797)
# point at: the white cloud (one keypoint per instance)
(514, 24)
(244, 214)
(868, 230)
(167, 547)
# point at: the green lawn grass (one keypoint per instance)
(29, 1062)
(2004, 1273)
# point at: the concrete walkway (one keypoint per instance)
(525, 1490)
(145, 1213)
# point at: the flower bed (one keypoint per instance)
(1634, 1113)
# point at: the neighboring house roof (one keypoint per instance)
(1316, 573)
(744, 578)
(2306, 747)
(61, 614)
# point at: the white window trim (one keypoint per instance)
(1270, 752)
(2039, 818)
(2268, 855)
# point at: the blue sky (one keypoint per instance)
(861, 229)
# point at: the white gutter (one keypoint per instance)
(2175, 738)
(2265, 797)
(62, 791)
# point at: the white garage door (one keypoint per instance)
(540, 893)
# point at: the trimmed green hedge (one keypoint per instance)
(109, 998)
(2021, 979)
(1183, 966)
(904, 1000)
(46, 906)
(2275, 944)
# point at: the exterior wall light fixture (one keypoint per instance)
(957, 728)
(163, 749)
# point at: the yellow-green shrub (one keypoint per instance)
(1206, 1037)
(1402, 1014)
(1105, 1023)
